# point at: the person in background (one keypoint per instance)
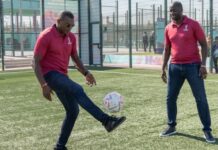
(52, 51)
(214, 52)
(208, 44)
(152, 41)
(145, 41)
(181, 44)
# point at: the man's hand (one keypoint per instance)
(203, 72)
(46, 90)
(90, 80)
(164, 76)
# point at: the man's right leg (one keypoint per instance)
(72, 111)
(175, 82)
(55, 82)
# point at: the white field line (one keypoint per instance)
(140, 74)
(15, 72)
(109, 72)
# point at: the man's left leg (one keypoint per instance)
(76, 91)
(72, 111)
(109, 122)
(197, 85)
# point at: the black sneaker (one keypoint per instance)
(57, 148)
(209, 137)
(168, 131)
(113, 122)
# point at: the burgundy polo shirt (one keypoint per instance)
(55, 50)
(183, 40)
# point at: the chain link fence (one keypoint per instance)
(22, 21)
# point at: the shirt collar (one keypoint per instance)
(184, 21)
(55, 31)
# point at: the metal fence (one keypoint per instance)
(145, 17)
(116, 24)
(125, 25)
(150, 17)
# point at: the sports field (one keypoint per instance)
(29, 122)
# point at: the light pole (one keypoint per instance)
(2, 35)
(202, 11)
(190, 7)
(165, 12)
(211, 33)
(117, 6)
(136, 27)
(130, 35)
(12, 28)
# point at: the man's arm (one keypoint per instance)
(79, 65)
(166, 56)
(81, 68)
(37, 69)
(204, 51)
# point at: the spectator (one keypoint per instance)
(181, 38)
(152, 41)
(208, 44)
(214, 52)
(145, 41)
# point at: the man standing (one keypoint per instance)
(214, 52)
(181, 37)
(53, 49)
(145, 41)
(152, 41)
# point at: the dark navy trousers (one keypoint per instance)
(176, 77)
(71, 96)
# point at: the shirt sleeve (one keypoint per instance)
(74, 46)
(198, 32)
(166, 37)
(41, 45)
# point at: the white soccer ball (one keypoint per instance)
(113, 102)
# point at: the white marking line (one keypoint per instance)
(126, 73)
(110, 72)
(138, 74)
(11, 72)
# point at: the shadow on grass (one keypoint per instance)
(194, 137)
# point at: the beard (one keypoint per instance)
(176, 17)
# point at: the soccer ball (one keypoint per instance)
(113, 102)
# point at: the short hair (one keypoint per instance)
(177, 4)
(66, 13)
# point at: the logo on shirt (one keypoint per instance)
(69, 41)
(185, 28)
